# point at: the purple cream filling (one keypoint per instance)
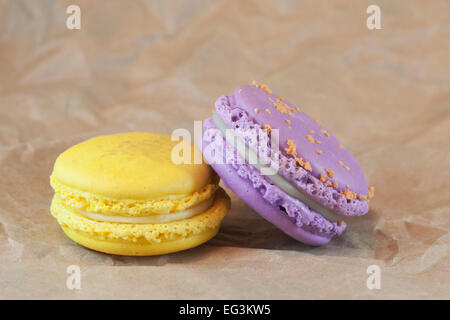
(241, 123)
(300, 214)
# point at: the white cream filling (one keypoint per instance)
(160, 218)
(249, 155)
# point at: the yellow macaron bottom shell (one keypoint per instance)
(140, 247)
(142, 239)
(91, 202)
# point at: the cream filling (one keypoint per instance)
(252, 158)
(160, 218)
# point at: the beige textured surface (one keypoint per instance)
(160, 65)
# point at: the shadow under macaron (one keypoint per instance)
(243, 227)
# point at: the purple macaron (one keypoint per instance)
(285, 165)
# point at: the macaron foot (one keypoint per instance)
(139, 248)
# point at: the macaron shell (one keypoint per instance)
(314, 143)
(241, 123)
(136, 165)
(141, 247)
(142, 239)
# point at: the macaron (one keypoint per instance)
(123, 194)
(285, 165)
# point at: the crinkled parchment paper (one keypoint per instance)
(160, 65)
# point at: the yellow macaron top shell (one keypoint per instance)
(129, 166)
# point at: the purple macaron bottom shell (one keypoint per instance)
(274, 215)
(287, 213)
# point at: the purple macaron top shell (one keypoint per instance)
(240, 121)
(309, 137)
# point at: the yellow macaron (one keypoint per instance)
(123, 194)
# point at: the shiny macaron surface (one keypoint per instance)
(303, 138)
(135, 165)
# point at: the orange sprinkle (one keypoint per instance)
(318, 142)
(298, 109)
(284, 108)
(267, 128)
(326, 134)
(340, 223)
(262, 87)
(347, 186)
(300, 161)
(307, 166)
(328, 182)
(311, 131)
(371, 192)
(362, 197)
(256, 110)
(322, 177)
(310, 138)
(287, 121)
(319, 151)
(291, 149)
(268, 111)
(343, 165)
(335, 184)
(330, 173)
(349, 194)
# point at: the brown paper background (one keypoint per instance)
(160, 65)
